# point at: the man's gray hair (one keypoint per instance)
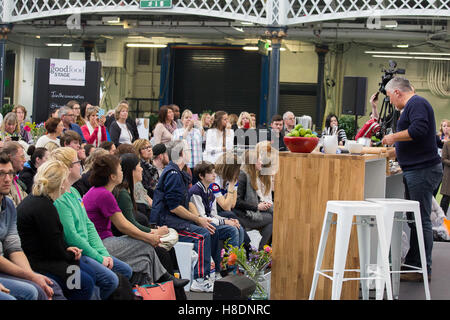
(399, 83)
(175, 149)
(64, 110)
(286, 114)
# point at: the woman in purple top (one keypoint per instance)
(136, 247)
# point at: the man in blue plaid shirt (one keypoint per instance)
(193, 137)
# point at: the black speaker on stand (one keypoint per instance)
(354, 95)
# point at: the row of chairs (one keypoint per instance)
(389, 215)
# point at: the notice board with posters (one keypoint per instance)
(57, 81)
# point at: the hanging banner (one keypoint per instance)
(67, 72)
(58, 81)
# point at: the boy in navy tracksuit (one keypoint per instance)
(171, 208)
(204, 200)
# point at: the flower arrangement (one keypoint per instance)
(36, 130)
(253, 267)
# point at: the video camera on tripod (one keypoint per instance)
(388, 114)
(376, 129)
(389, 74)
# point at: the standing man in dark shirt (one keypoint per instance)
(417, 154)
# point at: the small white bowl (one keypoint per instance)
(354, 147)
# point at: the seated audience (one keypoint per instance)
(136, 247)
(80, 232)
(160, 157)
(120, 130)
(124, 193)
(38, 157)
(109, 146)
(275, 133)
(254, 204)
(165, 127)
(10, 128)
(289, 122)
(171, 208)
(42, 236)
(219, 138)
(204, 204)
(21, 113)
(17, 155)
(94, 130)
(54, 128)
(332, 128)
(67, 118)
(73, 140)
(83, 185)
(193, 137)
(15, 272)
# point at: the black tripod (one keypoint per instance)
(387, 118)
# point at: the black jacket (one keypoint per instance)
(42, 236)
(114, 132)
(82, 185)
(27, 176)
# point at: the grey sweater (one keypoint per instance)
(9, 237)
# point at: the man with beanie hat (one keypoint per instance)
(160, 157)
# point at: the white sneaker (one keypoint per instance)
(218, 276)
(202, 285)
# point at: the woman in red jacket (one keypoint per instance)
(94, 130)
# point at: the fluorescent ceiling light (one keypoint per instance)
(146, 45)
(58, 44)
(111, 20)
(244, 23)
(281, 49)
(249, 48)
(408, 53)
(402, 45)
(411, 57)
(389, 24)
(238, 29)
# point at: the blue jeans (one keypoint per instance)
(19, 290)
(419, 186)
(41, 295)
(81, 288)
(225, 232)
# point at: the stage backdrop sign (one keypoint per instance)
(67, 72)
(57, 81)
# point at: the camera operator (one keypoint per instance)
(416, 151)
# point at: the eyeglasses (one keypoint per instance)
(76, 162)
(3, 174)
(146, 148)
(69, 115)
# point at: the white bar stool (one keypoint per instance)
(395, 211)
(345, 211)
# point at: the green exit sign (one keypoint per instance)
(155, 4)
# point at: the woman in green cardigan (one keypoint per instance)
(124, 193)
(79, 231)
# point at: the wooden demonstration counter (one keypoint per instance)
(303, 185)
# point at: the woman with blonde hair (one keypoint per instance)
(244, 121)
(42, 234)
(120, 130)
(193, 137)
(94, 130)
(10, 129)
(150, 174)
(80, 232)
(254, 204)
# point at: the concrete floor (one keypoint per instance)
(439, 285)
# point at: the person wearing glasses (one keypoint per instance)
(17, 156)
(67, 117)
(289, 122)
(22, 281)
(75, 105)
